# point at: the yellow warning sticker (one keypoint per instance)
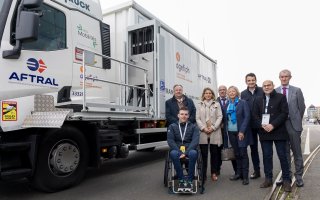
(9, 111)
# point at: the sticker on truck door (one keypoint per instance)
(9, 111)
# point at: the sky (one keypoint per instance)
(263, 37)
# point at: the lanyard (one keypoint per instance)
(184, 132)
(267, 103)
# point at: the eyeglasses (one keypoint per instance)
(269, 85)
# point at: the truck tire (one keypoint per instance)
(62, 160)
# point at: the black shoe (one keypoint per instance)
(235, 177)
(280, 182)
(256, 174)
(299, 183)
(287, 186)
(245, 181)
(266, 183)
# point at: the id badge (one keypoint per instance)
(183, 148)
(265, 119)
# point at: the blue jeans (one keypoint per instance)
(192, 157)
(267, 150)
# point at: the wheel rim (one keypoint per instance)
(64, 158)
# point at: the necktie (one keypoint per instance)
(284, 91)
(223, 102)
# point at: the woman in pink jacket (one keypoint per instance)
(209, 118)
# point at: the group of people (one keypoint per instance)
(274, 115)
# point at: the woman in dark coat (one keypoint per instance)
(238, 131)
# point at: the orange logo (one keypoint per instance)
(178, 56)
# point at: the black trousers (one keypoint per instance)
(215, 157)
(241, 156)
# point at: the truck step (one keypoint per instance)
(15, 173)
(17, 146)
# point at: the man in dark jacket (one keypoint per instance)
(270, 113)
(177, 101)
(250, 95)
(223, 100)
(183, 139)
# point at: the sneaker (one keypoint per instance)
(181, 185)
(189, 186)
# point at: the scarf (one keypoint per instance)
(180, 102)
(232, 111)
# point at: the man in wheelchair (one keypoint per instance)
(183, 140)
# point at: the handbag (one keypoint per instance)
(227, 153)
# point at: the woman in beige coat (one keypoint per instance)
(209, 119)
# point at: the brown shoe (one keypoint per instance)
(266, 183)
(287, 186)
(214, 177)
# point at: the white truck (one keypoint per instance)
(75, 91)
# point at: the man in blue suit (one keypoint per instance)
(176, 102)
(294, 122)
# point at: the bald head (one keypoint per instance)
(268, 87)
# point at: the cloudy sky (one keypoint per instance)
(245, 36)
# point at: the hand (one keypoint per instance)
(210, 129)
(206, 130)
(241, 136)
(268, 127)
(182, 156)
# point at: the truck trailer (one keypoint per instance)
(79, 86)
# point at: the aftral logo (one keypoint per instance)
(35, 65)
(32, 79)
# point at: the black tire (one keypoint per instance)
(47, 176)
(166, 171)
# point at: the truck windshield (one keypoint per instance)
(4, 10)
(1, 5)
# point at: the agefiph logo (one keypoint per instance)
(180, 66)
(36, 66)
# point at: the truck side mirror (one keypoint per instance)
(32, 3)
(26, 30)
(28, 26)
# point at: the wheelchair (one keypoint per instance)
(170, 179)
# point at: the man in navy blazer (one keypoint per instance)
(176, 102)
(294, 122)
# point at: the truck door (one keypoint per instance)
(141, 52)
(44, 65)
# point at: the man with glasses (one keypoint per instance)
(270, 113)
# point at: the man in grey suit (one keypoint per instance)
(294, 122)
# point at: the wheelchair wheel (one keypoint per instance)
(200, 171)
(167, 178)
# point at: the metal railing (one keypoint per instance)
(86, 55)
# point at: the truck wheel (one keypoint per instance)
(62, 160)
